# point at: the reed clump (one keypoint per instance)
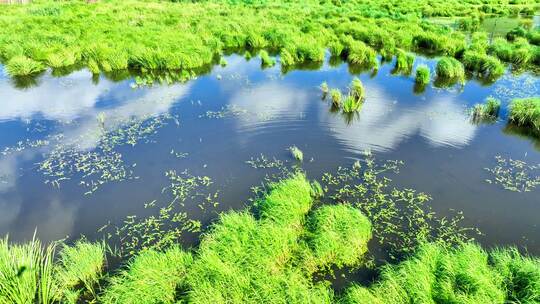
(486, 111)
(423, 75)
(525, 112)
(450, 68)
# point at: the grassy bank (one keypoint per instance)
(269, 255)
(146, 36)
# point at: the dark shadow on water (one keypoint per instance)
(524, 133)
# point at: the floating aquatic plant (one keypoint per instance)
(226, 111)
(514, 175)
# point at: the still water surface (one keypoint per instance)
(254, 111)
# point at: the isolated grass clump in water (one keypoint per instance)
(525, 112)
(336, 97)
(488, 110)
(22, 66)
(422, 75)
(266, 60)
(324, 89)
(151, 277)
(296, 153)
(404, 61)
(450, 68)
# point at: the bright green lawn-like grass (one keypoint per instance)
(167, 35)
(525, 112)
(271, 256)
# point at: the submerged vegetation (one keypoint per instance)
(269, 256)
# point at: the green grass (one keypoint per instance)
(151, 277)
(483, 65)
(356, 89)
(266, 60)
(404, 61)
(338, 235)
(423, 75)
(487, 111)
(436, 274)
(521, 275)
(271, 256)
(351, 104)
(115, 35)
(247, 260)
(27, 273)
(22, 66)
(336, 97)
(525, 112)
(81, 265)
(450, 68)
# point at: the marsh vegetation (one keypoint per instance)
(205, 168)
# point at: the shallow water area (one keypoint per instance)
(79, 152)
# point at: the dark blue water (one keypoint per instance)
(261, 111)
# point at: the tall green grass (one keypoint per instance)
(192, 34)
(423, 75)
(450, 68)
(525, 112)
(151, 277)
(486, 111)
(466, 274)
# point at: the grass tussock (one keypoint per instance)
(22, 66)
(266, 60)
(338, 235)
(525, 112)
(486, 111)
(450, 68)
(404, 62)
(151, 277)
(29, 273)
(423, 75)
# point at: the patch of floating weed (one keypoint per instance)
(226, 111)
(514, 175)
(26, 144)
(179, 154)
(103, 164)
(167, 224)
(263, 162)
(401, 218)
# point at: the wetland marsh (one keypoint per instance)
(308, 162)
